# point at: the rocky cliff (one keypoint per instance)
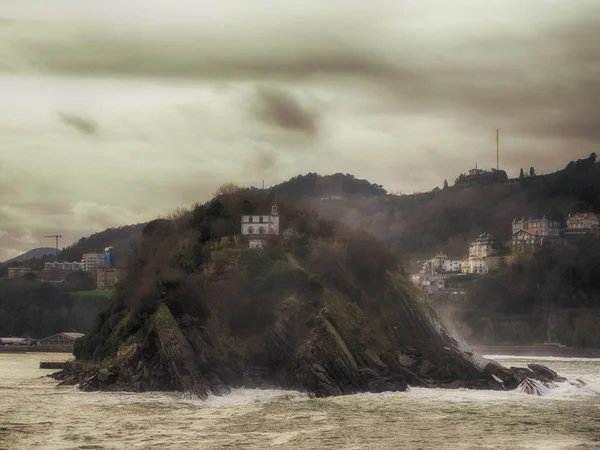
(329, 313)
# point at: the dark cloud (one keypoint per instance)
(535, 78)
(279, 108)
(81, 124)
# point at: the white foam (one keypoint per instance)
(541, 358)
(239, 397)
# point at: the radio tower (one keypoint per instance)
(497, 149)
(57, 237)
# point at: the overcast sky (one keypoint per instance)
(113, 112)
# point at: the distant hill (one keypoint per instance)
(37, 253)
(446, 219)
(119, 237)
(324, 186)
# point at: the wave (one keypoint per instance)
(542, 358)
(239, 397)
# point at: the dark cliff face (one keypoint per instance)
(328, 313)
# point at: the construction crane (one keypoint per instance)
(57, 237)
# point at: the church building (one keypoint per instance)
(259, 227)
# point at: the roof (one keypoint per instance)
(72, 336)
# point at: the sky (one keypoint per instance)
(116, 112)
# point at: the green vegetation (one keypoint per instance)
(561, 281)
(37, 309)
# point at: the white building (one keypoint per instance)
(542, 227)
(485, 245)
(17, 272)
(92, 261)
(65, 266)
(477, 266)
(583, 221)
(259, 227)
(440, 263)
(479, 250)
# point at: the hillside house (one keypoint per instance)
(259, 227)
(542, 227)
(480, 249)
(526, 241)
(440, 263)
(583, 221)
(18, 272)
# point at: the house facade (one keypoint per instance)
(543, 227)
(440, 263)
(583, 221)
(18, 272)
(526, 241)
(92, 261)
(259, 227)
(106, 278)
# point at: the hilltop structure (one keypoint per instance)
(480, 177)
(259, 227)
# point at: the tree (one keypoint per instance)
(227, 189)
(445, 184)
(521, 174)
(532, 171)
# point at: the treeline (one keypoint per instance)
(560, 283)
(565, 274)
(447, 219)
(315, 185)
(29, 308)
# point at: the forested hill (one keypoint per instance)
(119, 237)
(416, 225)
(323, 186)
(446, 219)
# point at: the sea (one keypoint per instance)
(37, 414)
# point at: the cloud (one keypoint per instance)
(404, 94)
(81, 124)
(281, 109)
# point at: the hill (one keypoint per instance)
(446, 219)
(323, 186)
(327, 312)
(36, 253)
(119, 237)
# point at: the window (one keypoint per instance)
(260, 219)
(250, 219)
(261, 230)
(250, 229)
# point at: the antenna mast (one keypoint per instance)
(497, 149)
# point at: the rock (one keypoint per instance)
(543, 373)
(404, 360)
(426, 367)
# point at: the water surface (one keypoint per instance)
(35, 414)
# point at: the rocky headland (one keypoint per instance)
(327, 311)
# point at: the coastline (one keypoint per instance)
(537, 350)
(36, 349)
